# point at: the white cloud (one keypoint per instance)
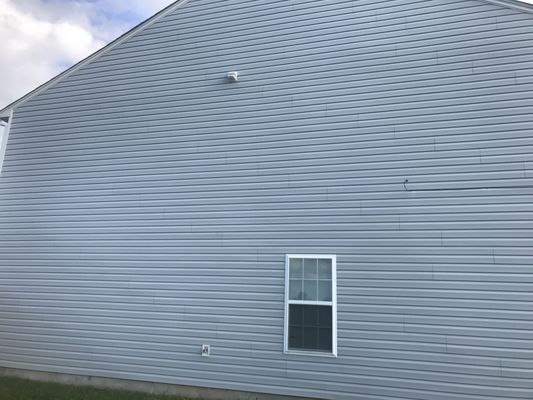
(41, 38)
(138, 7)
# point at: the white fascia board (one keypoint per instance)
(6, 111)
(515, 4)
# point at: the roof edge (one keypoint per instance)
(516, 4)
(6, 111)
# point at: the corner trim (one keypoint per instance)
(4, 138)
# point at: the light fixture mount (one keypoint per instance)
(233, 76)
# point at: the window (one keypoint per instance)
(310, 304)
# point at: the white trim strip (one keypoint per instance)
(324, 256)
(3, 139)
(311, 353)
(311, 303)
(286, 307)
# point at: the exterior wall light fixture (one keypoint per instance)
(233, 76)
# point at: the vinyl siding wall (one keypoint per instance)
(146, 205)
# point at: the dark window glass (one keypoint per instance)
(324, 317)
(296, 315)
(324, 339)
(310, 327)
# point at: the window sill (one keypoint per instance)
(309, 353)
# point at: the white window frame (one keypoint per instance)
(332, 303)
(3, 139)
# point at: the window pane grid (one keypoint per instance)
(310, 327)
(310, 279)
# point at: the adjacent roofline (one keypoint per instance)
(516, 4)
(6, 111)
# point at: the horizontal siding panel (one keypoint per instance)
(482, 44)
(388, 90)
(442, 77)
(372, 102)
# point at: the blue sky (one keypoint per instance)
(41, 38)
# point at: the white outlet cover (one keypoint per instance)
(206, 350)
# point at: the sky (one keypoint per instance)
(41, 38)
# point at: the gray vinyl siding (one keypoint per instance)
(146, 205)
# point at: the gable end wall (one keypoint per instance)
(146, 204)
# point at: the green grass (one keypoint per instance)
(21, 389)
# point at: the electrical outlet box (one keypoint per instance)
(206, 350)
